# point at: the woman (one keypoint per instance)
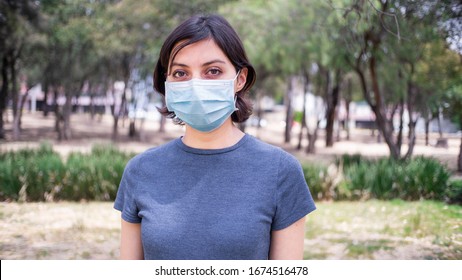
(215, 193)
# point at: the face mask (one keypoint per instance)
(202, 104)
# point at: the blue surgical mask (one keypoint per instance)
(202, 104)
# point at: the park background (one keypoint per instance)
(366, 94)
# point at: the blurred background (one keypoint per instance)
(366, 94)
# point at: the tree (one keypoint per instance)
(17, 19)
(375, 31)
(70, 54)
(264, 43)
(446, 72)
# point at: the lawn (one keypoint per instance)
(384, 230)
(336, 230)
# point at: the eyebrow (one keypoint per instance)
(204, 64)
(214, 61)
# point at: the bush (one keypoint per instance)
(94, 176)
(30, 174)
(357, 180)
(349, 160)
(40, 174)
(326, 183)
(315, 178)
(454, 194)
(425, 178)
(414, 179)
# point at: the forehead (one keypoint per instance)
(200, 52)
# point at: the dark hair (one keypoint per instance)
(198, 28)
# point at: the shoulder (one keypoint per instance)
(277, 154)
(286, 167)
(150, 157)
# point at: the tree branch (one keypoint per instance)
(398, 35)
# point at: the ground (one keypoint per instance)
(85, 132)
(91, 230)
(340, 230)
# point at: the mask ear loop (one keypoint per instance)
(235, 94)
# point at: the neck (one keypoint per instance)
(225, 136)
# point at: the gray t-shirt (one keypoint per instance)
(212, 204)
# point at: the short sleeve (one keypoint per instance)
(125, 200)
(293, 197)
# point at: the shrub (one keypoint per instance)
(425, 178)
(94, 176)
(40, 174)
(347, 160)
(29, 174)
(454, 193)
(326, 183)
(357, 178)
(9, 177)
(414, 179)
(315, 178)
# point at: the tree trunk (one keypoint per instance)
(312, 137)
(115, 128)
(440, 116)
(412, 139)
(91, 92)
(259, 112)
(306, 84)
(459, 159)
(22, 102)
(45, 100)
(347, 120)
(303, 126)
(66, 116)
(412, 93)
(132, 128)
(120, 113)
(141, 132)
(399, 138)
(372, 39)
(347, 108)
(381, 122)
(289, 111)
(2, 130)
(57, 110)
(427, 130)
(332, 102)
(3, 95)
(59, 115)
(380, 116)
(15, 98)
(117, 115)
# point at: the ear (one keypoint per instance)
(241, 79)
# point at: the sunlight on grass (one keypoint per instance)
(64, 230)
(384, 230)
(367, 249)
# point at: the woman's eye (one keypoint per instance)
(179, 74)
(214, 71)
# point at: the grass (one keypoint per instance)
(384, 230)
(64, 230)
(337, 230)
